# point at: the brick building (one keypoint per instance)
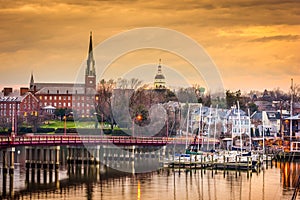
(81, 97)
(12, 106)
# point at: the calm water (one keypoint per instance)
(273, 183)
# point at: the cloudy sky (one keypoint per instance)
(255, 44)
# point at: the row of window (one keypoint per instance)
(8, 106)
(4, 113)
(29, 106)
(243, 122)
(237, 130)
(64, 104)
(67, 98)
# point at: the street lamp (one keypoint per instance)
(65, 125)
(137, 118)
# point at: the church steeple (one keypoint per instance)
(90, 68)
(90, 72)
(31, 84)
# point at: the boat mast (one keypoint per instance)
(291, 114)
(199, 125)
(249, 128)
(216, 116)
(263, 132)
(240, 125)
(232, 123)
(209, 122)
(187, 126)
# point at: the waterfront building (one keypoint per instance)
(24, 105)
(267, 122)
(295, 120)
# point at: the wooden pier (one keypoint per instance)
(204, 163)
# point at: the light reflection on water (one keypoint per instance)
(273, 183)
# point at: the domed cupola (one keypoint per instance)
(159, 79)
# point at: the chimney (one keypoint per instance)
(23, 90)
(7, 91)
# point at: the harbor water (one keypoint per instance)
(99, 182)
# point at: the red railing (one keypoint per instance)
(73, 140)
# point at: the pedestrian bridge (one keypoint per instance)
(36, 140)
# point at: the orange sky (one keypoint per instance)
(255, 44)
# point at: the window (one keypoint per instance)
(54, 103)
(46, 97)
(64, 104)
(54, 97)
(50, 97)
(272, 115)
(59, 98)
(69, 98)
(69, 104)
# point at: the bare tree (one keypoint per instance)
(133, 83)
(296, 90)
(103, 107)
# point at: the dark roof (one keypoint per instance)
(61, 90)
(273, 115)
(16, 98)
(159, 76)
(40, 86)
(257, 115)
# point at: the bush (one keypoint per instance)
(119, 133)
(68, 130)
(70, 119)
(45, 130)
(24, 130)
(4, 133)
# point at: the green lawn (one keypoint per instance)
(69, 124)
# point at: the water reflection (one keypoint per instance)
(290, 172)
(101, 182)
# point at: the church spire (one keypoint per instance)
(90, 68)
(31, 82)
